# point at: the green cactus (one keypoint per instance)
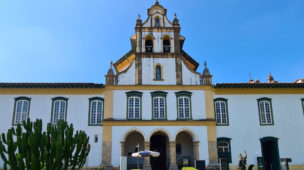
(28, 147)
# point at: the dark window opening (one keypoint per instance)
(149, 46)
(157, 23)
(158, 73)
(166, 44)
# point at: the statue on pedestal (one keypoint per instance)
(242, 161)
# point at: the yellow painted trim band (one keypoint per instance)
(157, 87)
(160, 123)
(258, 91)
(57, 91)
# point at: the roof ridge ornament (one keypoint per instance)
(206, 76)
(156, 2)
(111, 71)
(138, 21)
(175, 21)
(206, 70)
(270, 79)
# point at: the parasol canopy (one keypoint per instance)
(145, 154)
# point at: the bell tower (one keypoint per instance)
(157, 56)
(157, 37)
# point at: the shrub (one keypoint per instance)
(28, 147)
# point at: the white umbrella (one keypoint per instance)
(145, 153)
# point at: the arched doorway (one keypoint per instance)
(270, 153)
(184, 150)
(159, 142)
(133, 140)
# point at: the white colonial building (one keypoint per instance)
(155, 98)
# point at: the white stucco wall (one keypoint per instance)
(163, 20)
(245, 131)
(168, 69)
(189, 77)
(128, 77)
(158, 41)
(120, 105)
(40, 107)
(147, 131)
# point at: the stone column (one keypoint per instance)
(212, 148)
(147, 164)
(107, 147)
(196, 150)
(123, 148)
(173, 165)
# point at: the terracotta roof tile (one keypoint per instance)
(259, 85)
(50, 85)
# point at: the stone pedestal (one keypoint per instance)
(196, 150)
(122, 145)
(173, 165)
(108, 167)
(213, 166)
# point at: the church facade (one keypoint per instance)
(155, 99)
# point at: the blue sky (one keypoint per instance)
(75, 40)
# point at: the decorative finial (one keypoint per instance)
(270, 78)
(205, 64)
(111, 63)
(250, 79)
(138, 16)
(156, 2)
(175, 15)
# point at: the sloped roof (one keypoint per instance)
(51, 85)
(258, 85)
(190, 59)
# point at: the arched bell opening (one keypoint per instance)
(166, 44)
(149, 44)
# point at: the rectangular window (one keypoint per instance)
(134, 107)
(224, 148)
(59, 109)
(221, 111)
(21, 110)
(265, 111)
(159, 107)
(184, 107)
(96, 111)
(183, 104)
